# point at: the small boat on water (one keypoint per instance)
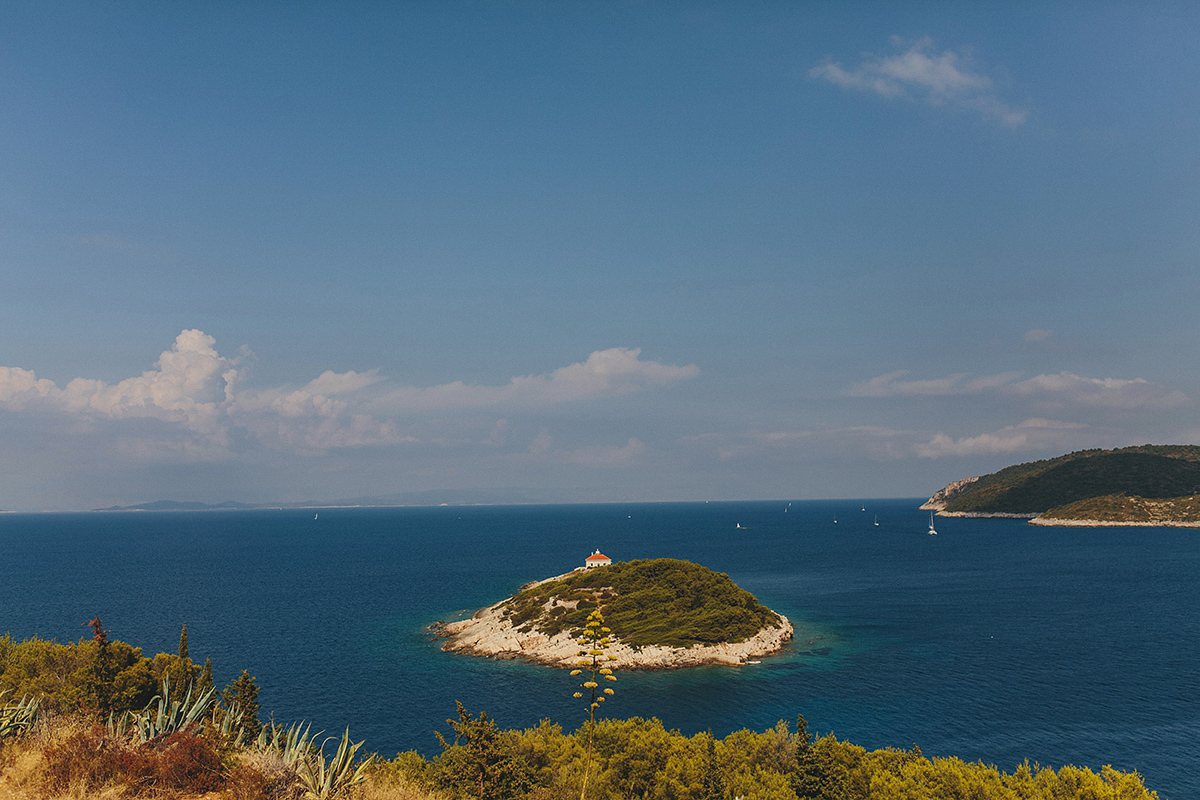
(932, 532)
(876, 520)
(740, 527)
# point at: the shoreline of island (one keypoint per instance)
(488, 633)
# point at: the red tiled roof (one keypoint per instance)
(597, 557)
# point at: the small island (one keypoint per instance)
(1147, 485)
(664, 613)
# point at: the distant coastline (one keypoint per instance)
(1147, 486)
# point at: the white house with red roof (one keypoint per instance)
(596, 559)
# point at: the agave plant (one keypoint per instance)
(228, 722)
(164, 715)
(292, 746)
(18, 719)
(323, 779)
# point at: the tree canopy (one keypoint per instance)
(661, 601)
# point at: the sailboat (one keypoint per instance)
(876, 520)
(932, 532)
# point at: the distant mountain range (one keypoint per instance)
(1145, 485)
(177, 505)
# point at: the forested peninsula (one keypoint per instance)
(1146, 485)
(663, 613)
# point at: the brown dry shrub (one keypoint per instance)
(90, 758)
(86, 759)
(246, 783)
(261, 776)
(186, 762)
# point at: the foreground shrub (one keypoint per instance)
(86, 759)
(91, 758)
(186, 762)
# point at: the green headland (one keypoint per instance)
(1142, 485)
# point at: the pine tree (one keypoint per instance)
(714, 782)
(241, 696)
(814, 775)
(482, 761)
(206, 678)
(183, 648)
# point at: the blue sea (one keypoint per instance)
(994, 640)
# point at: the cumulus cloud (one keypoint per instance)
(1057, 391)
(918, 72)
(1032, 434)
(190, 387)
(605, 373)
(197, 397)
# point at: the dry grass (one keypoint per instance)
(397, 791)
(48, 765)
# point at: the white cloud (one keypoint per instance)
(1067, 389)
(1032, 434)
(890, 385)
(605, 373)
(870, 441)
(879, 443)
(201, 411)
(20, 388)
(1057, 391)
(941, 79)
(190, 388)
(331, 383)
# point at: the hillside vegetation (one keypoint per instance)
(58, 743)
(1070, 485)
(661, 601)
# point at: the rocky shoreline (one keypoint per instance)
(985, 514)
(488, 633)
(1062, 522)
(1053, 522)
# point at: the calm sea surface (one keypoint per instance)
(994, 640)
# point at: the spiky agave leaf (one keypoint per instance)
(20, 718)
(292, 746)
(164, 715)
(323, 780)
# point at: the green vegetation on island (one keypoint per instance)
(660, 601)
(70, 728)
(1147, 483)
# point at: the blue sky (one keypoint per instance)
(649, 251)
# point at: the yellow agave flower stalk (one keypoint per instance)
(593, 641)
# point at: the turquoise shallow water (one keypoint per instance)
(994, 640)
